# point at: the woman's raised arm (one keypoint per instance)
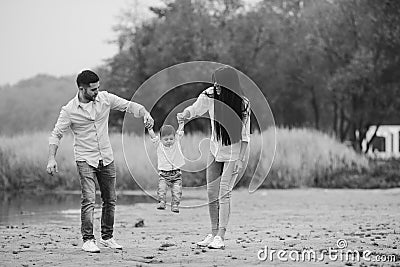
(198, 108)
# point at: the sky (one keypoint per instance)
(59, 37)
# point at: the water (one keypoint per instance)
(28, 208)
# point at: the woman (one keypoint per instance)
(229, 112)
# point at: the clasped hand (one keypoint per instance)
(148, 120)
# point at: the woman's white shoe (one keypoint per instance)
(209, 238)
(217, 243)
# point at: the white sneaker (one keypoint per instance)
(110, 243)
(217, 243)
(209, 238)
(90, 246)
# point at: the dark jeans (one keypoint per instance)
(106, 176)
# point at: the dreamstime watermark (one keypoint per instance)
(340, 253)
(182, 76)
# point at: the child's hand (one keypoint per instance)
(181, 125)
(148, 120)
(182, 116)
(181, 121)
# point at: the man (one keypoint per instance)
(87, 115)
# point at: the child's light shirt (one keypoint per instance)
(169, 158)
(204, 103)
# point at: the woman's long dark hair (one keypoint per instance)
(228, 106)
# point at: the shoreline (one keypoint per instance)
(140, 192)
(279, 219)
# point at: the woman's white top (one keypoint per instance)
(204, 103)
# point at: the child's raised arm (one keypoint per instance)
(153, 136)
(180, 131)
(181, 125)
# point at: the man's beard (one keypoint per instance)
(88, 97)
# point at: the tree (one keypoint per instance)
(332, 65)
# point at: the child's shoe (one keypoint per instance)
(175, 208)
(217, 243)
(161, 205)
(209, 238)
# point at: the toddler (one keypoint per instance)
(169, 161)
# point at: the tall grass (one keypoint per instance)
(303, 158)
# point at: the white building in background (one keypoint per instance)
(386, 142)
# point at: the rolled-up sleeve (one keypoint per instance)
(62, 125)
(201, 106)
(118, 103)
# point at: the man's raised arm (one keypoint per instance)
(121, 104)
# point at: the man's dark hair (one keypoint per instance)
(86, 77)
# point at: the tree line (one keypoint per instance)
(332, 65)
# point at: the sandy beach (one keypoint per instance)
(289, 220)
